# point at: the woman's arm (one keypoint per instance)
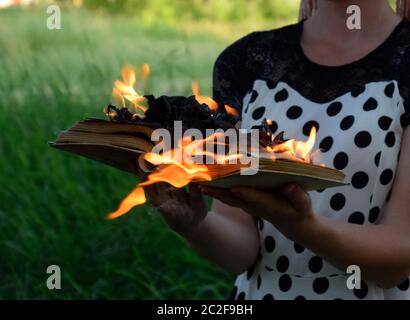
(228, 237)
(224, 235)
(381, 251)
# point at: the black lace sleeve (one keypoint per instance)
(231, 79)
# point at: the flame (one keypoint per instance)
(178, 176)
(178, 173)
(135, 198)
(211, 103)
(297, 150)
(231, 111)
(128, 75)
(145, 71)
(110, 114)
(124, 90)
(170, 168)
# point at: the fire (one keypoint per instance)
(124, 90)
(170, 168)
(145, 71)
(211, 103)
(179, 173)
(232, 111)
(135, 198)
(297, 150)
(202, 99)
(178, 176)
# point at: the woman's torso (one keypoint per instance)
(359, 110)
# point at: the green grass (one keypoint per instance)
(53, 205)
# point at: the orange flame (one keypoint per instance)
(297, 150)
(231, 111)
(170, 169)
(178, 176)
(177, 172)
(135, 198)
(124, 90)
(211, 103)
(145, 71)
(180, 172)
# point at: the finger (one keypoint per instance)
(168, 209)
(298, 198)
(141, 174)
(151, 191)
(164, 192)
(224, 195)
(180, 195)
(256, 197)
(195, 196)
(262, 203)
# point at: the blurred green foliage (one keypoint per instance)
(172, 11)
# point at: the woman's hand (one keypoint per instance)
(287, 210)
(183, 211)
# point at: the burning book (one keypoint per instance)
(201, 153)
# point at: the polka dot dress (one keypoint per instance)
(360, 117)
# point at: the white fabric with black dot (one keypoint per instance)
(360, 134)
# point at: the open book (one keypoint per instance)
(120, 145)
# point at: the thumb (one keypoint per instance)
(195, 196)
(253, 197)
(298, 198)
